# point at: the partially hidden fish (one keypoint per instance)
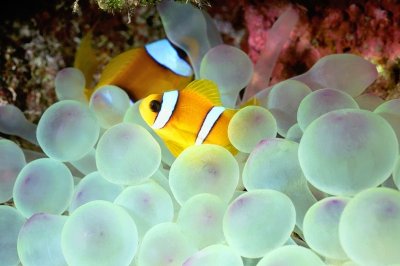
(154, 68)
(191, 116)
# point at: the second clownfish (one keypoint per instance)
(154, 68)
(146, 70)
(191, 116)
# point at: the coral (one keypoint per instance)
(369, 29)
(114, 6)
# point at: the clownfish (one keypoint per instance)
(154, 68)
(191, 116)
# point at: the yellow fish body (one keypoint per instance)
(191, 116)
(142, 71)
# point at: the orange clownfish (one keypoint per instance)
(143, 71)
(191, 116)
(154, 68)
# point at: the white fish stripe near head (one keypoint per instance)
(208, 123)
(165, 54)
(169, 100)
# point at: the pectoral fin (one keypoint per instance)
(174, 148)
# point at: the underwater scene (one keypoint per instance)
(200, 133)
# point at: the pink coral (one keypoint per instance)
(371, 30)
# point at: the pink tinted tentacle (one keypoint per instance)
(277, 37)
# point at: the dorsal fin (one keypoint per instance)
(86, 61)
(207, 88)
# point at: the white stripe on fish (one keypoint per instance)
(169, 101)
(208, 123)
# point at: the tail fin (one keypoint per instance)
(252, 101)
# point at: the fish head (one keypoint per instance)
(150, 107)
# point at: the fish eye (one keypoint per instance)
(155, 106)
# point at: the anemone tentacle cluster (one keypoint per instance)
(315, 182)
